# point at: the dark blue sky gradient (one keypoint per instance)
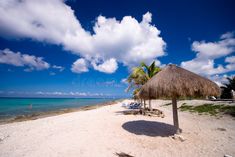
(180, 22)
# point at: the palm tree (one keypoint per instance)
(140, 75)
(151, 70)
(227, 88)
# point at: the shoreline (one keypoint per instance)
(39, 115)
(109, 132)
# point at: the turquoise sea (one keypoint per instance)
(13, 107)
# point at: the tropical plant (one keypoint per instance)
(151, 70)
(227, 88)
(140, 75)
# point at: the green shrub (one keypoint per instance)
(210, 109)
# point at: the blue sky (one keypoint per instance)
(86, 49)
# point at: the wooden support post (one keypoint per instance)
(175, 115)
(150, 106)
(144, 104)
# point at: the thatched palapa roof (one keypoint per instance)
(175, 82)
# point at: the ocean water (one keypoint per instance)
(13, 107)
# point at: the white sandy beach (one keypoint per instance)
(103, 132)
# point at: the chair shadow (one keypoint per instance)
(149, 128)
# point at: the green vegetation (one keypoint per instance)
(140, 75)
(227, 88)
(210, 109)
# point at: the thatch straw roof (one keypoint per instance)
(173, 81)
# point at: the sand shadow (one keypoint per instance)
(149, 128)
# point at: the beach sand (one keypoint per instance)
(105, 131)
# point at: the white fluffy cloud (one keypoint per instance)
(24, 60)
(79, 66)
(208, 52)
(230, 59)
(40, 20)
(227, 35)
(63, 93)
(60, 68)
(109, 66)
(125, 41)
(124, 81)
(220, 79)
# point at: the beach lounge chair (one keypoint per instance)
(135, 106)
(127, 105)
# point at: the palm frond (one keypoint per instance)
(140, 75)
